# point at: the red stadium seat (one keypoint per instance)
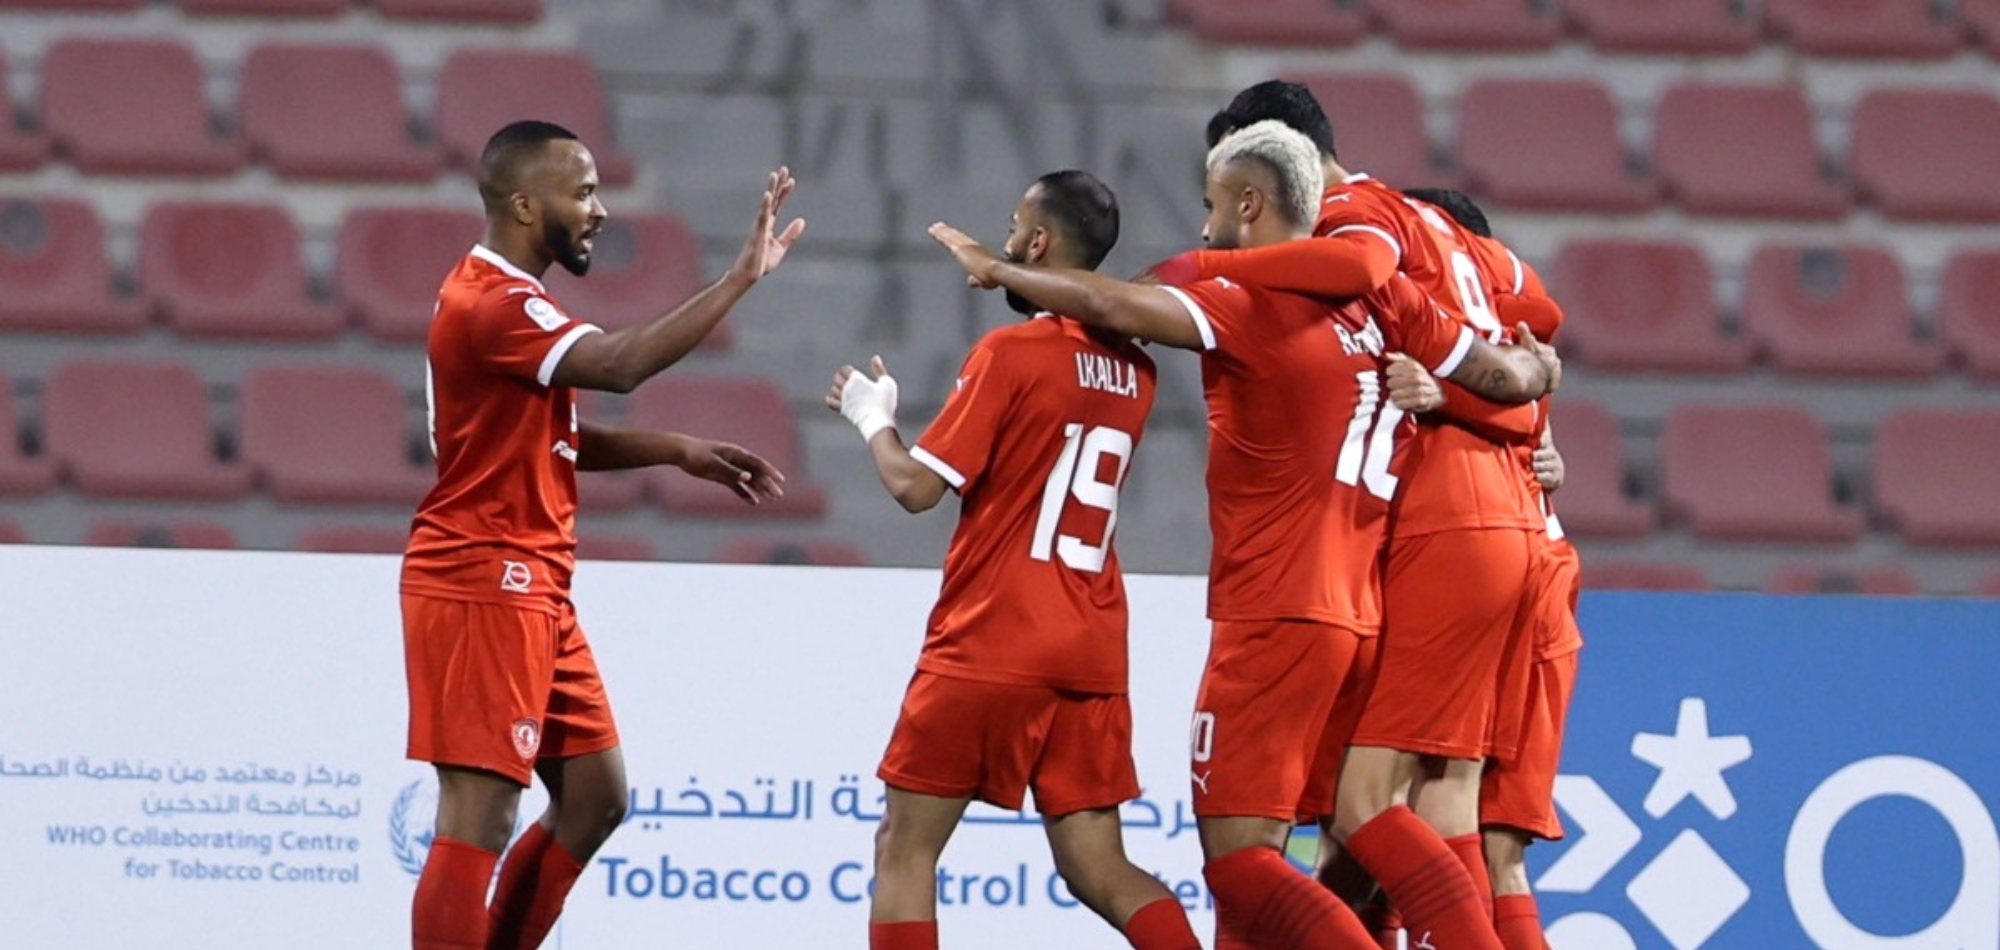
(229, 269)
(1632, 575)
(1752, 473)
(148, 534)
(762, 550)
(1982, 17)
(1835, 310)
(21, 150)
(1742, 150)
(330, 112)
(1862, 28)
(609, 491)
(1934, 475)
(1969, 310)
(1989, 586)
(1643, 305)
(56, 272)
(468, 11)
(1593, 500)
(749, 412)
(1814, 579)
(74, 6)
(481, 90)
(270, 8)
(132, 106)
(1665, 26)
(20, 474)
(591, 546)
(11, 533)
(1469, 24)
(352, 539)
(641, 266)
(1378, 126)
(136, 430)
(1928, 155)
(320, 435)
(1538, 143)
(1321, 23)
(392, 261)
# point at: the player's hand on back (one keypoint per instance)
(746, 473)
(979, 261)
(1543, 352)
(1549, 469)
(868, 403)
(766, 247)
(1412, 388)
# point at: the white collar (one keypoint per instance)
(506, 266)
(1351, 179)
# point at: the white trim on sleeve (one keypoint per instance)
(1201, 324)
(556, 353)
(940, 466)
(1371, 229)
(1458, 352)
(1520, 273)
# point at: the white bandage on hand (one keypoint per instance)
(869, 403)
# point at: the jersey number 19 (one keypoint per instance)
(1076, 477)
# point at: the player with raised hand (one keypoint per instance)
(1022, 679)
(1302, 453)
(502, 683)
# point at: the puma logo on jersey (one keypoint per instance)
(1107, 375)
(1423, 943)
(1343, 196)
(1226, 283)
(564, 449)
(1366, 341)
(1201, 779)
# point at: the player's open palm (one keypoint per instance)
(978, 260)
(747, 474)
(767, 246)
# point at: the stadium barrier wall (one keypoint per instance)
(203, 750)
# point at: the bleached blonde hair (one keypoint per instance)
(1291, 158)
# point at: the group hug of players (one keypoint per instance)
(1393, 640)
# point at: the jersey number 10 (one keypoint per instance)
(1075, 476)
(1371, 440)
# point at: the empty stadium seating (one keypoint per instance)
(749, 412)
(1641, 575)
(20, 149)
(1378, 126)
(122, 429)
(1548, 143)
(608, 491)
(481, 90)
(161, 534)
(132, 106)
(641, 266)
(1813, 579)
(1969, 310)
(1936, 475)
(470, 11)
(57, 275)
(230, 269)
(321, 435)
(1989, 586)
(265, 8)
(1928, 155)
(1835, 311)
(75, 6)
(392, 261)
(594, 546)
(1742, 150)
(330, 112)
(765, 550)
(11, 533)
(1666, 26)
(1982, 18)
(1752, 473)
(1469, 24)
(346, 538)
(20, 475)
(1863, 28)
(1592, 501)
(1642, 305)
(1317, 23)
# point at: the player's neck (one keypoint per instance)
(1335, 173)
(518, 251)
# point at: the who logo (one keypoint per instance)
(413, 825)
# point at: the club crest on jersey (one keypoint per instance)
(1108, 375)
(544, 313)
(527, 736)
(1367, 340)
(515, 577)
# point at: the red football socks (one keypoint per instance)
(1425, 881)
(534, 881)
(903, 935)
(1383, 921)
(1519, 922)
(450, 909)
(1257, 891)
(1161, 925)
(1471, 851)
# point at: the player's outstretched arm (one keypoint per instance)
(618, 362)
(1138, 310)
(1350, 263)
(606, 448)
(871, 405)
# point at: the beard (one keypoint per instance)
(1016, 302)
(566, 249)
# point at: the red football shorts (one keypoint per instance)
(1520, 792)
(1452, 603)
(959, 738)
(498, 688)
(1277, 707)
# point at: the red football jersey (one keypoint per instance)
(500, 525)
(1302, 448)
(1037, 440)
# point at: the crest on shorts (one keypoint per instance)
(516, 577)
(527, 735)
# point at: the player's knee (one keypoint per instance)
(898, 850)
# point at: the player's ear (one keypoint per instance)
(1250, 205)
(524, 209)
(1038, 245)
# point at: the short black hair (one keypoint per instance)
(1459, 205)
(500, 160)
(1084, 208)
(1288, 102)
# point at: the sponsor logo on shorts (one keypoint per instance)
(515, 577)
(527, 735)
(1201, 779)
